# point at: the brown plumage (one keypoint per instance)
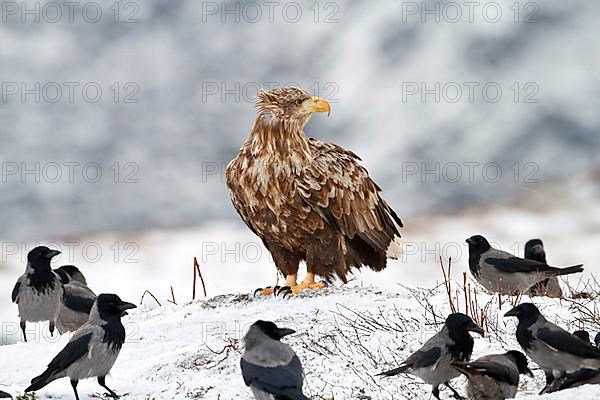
(307, 199)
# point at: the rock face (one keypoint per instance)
(195, 105)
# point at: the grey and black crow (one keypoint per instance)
(73, 272)
(550, 346)
(534, 250)
(495, 376)
(499, 271)
(92, 350)
(271, 368)
(432, 362)
(39, 290)
(580, 377)
(75, 305)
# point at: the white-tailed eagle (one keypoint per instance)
(307, 199)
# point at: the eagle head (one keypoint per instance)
(289, 106)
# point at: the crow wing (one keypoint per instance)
(516, 264)
(424, 358)
(565, 342)
(78, 303)
(73, 351)
(284, 380)
(15, 292)
(492, 369)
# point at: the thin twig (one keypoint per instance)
(447, 283)
(194, 283)
(197, 266)
(153, 296)
(172, 297)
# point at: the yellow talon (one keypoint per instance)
(291, 287)
(268, 291)
(307, 283)
(304, 286)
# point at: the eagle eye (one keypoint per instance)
(298, 102)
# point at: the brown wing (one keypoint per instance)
(236, 190)
(340, 190)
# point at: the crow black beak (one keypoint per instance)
(125, 306)
(473, 327)
(52, 253)
(512, 313)
(283, 332)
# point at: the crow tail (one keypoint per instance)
(40, 381)
(568, 270)
(394, 371)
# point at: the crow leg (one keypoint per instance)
(549, 376)
(102, 382)
(454, 392)
(436, 392)
(74, 384)
(23, 325)
(52, 328)
(550, 379)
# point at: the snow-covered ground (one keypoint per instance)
(192, 350)
(168, 354)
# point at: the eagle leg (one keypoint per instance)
(290, 281)
(267, 291)
(307, 283)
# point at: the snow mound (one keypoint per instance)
(344, 337)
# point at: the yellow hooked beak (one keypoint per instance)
(316, 104)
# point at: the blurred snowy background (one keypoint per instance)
(436, 109)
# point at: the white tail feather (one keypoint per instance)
(394, 249)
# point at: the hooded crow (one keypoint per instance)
(92, 350)
(550, 346)
(432, 362)
(270, 367)
(495, 376)
(39, 290)
(75, 305)
(534, 250)
(73, 272)
(499, 271)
